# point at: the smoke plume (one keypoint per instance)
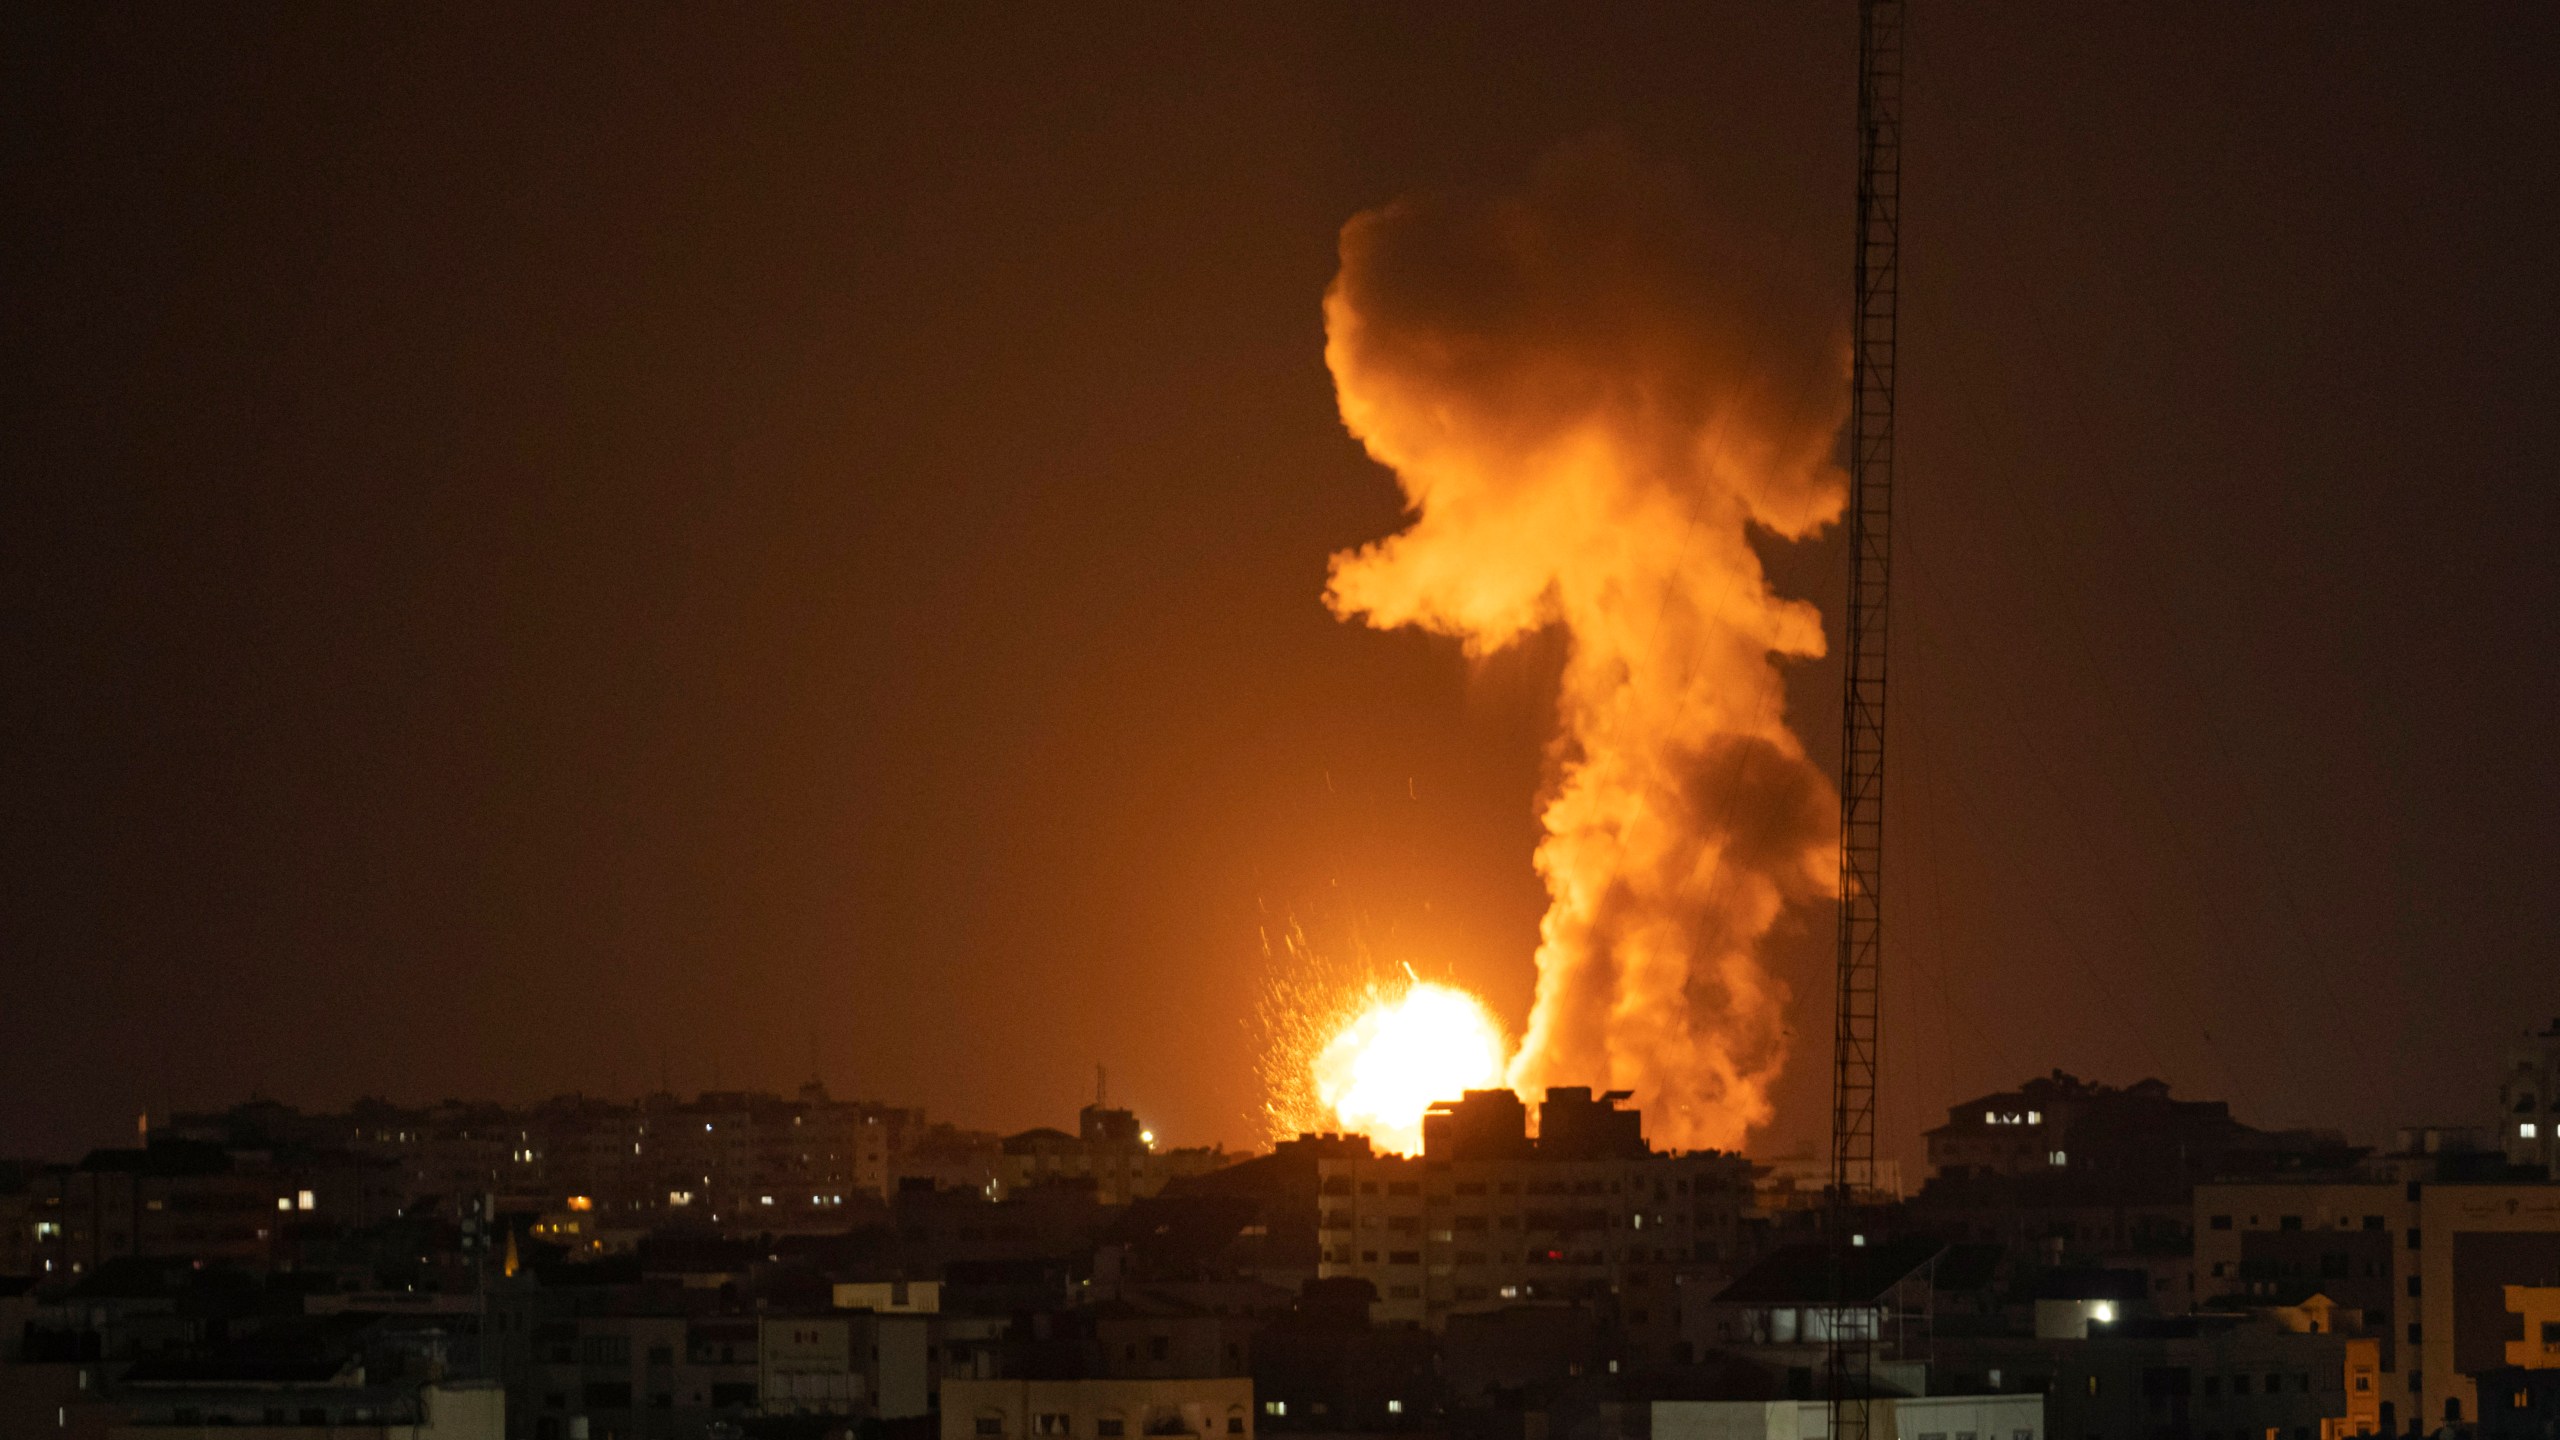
(1591, 392)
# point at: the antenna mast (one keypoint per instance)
(1854, 1035)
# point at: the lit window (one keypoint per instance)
(679, 1197)
(1275, 1407)
(304, 1200)
(2056, 1157)
(1395, 1407)
(2035, 1117)
(1990, 1117)
(2527, 1130)
(284, 1202)
(767, 1199)
(581, 1202)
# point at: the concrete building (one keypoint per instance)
(2204, 1377)
(288, 1402)
(1110, 1150)
(2435, 1267)
(1488, 1217)
(804, 1161)
(2519, 1404)
(174, 1197)
(2063, 1173)
(2529, 1102)
(890, 1297)
(1936, 1417)
(1096, 1409)
(857, 1364)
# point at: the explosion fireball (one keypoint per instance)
(1350, 1043)
(1384, 1069)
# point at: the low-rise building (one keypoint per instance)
(1935, 1417)
(1096, 1409)
(287, 1401)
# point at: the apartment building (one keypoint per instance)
(1488, 1216)
(2529, 1102)
(2446, 1273)
(1091, 1409)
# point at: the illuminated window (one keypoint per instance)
(2056, 1157)
(2528, 1130)
(304, 1200)
(284, 1202)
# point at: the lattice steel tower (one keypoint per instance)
(1854, 1036)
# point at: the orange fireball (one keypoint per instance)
(1408, 1049)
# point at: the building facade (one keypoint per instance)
(1488, 1217)
(2529, 1102)
(2434, 1266)
(1096, 1409)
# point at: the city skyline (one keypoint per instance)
(589, 547)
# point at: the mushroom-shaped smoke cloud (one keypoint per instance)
(1591, 392)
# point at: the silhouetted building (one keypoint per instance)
(2529, 1102)
(1486, 1217)
(2447, 1273)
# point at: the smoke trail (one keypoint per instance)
(1590, 393)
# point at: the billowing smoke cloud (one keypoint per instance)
(1591, 392)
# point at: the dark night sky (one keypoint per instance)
(539, 550)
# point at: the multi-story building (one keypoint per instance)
(861, 1363)
(183, 1400)
(2062, 1173)
(2441, 1270)
(191, 1198)
(780, 1163)
(1096, 1409)
(2210, 1377)
(17, 1223)
(1110, 1150)
(2061, 1124)
(1487, 1216)
(2529, 1102)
